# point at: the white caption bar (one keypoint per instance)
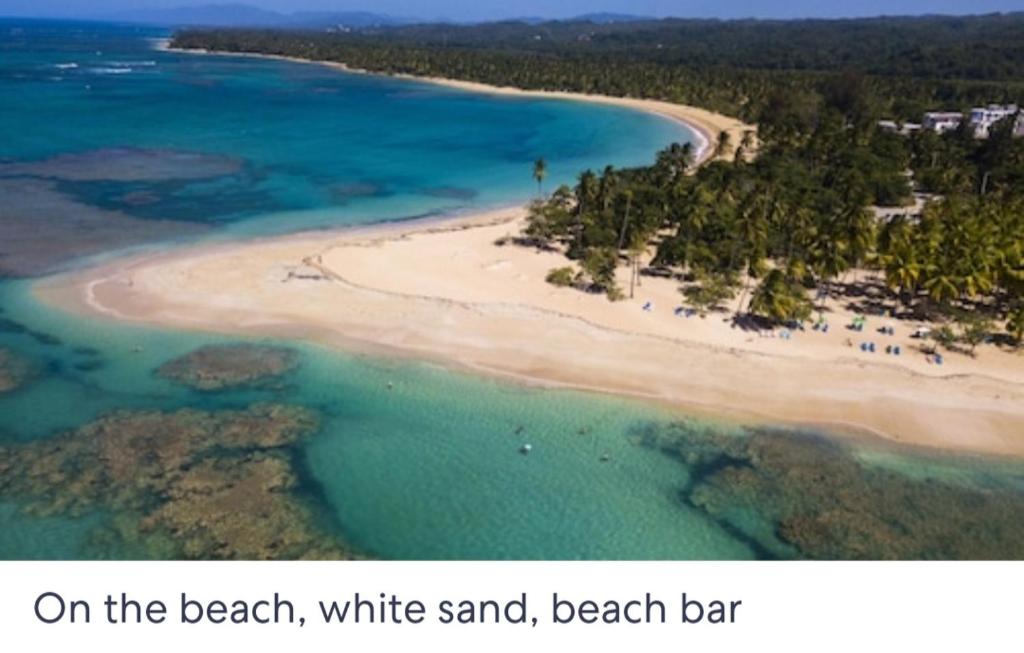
(313, 607)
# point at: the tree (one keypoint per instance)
(899, 258)
(746, 145)
(943, 336)
(540, 171)
(709, 292)
(780, 299)
(561, 277)
(722, 145)
(546, 221)
(673, 162)
(599, 266)
(1015, 324)
(974, 328)
(637, 248)
(628, 196)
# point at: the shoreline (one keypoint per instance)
(702, 123)
(466, 302)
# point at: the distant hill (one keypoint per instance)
(603, 18)
(606, 18)
(241, 15)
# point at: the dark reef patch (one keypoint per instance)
(7, 325)
(46, 339)
(185, 484)
(340, 193)
(451, 192)
(801, 495)
(45, 229)
(206, 201)
(14, 371)
(218, 367)
(127, 164)
(89, 366)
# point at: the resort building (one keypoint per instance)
(941, 122)
(983, 118)
(893, 126)
(980, 119)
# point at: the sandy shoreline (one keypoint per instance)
(706, 125)
(459, 298)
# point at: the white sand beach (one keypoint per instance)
(449, 292)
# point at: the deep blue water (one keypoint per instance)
(291, 145)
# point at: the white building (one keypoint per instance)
(982, 118)
(941, 122)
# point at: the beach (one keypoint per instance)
(457, 292)
(706, 125)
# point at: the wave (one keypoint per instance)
(66, 66)
(110, 71)
(131, 64)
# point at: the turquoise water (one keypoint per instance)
(428, 469)
(117, 145)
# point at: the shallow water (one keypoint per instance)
(408, 460)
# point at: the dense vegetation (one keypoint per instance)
(750, 69)
(760, 235)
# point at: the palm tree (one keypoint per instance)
(637, 247)
(722, 147)
(687, 156)
(900, 261)
(606, 187)
(780, 299)
(628, 194)
(586, 191)
(674, 161)
(540, 171)
(756, 216)
(746, 145)
(1015, 323)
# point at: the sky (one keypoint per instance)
(492, 9)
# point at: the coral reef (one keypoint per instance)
(14, 371)
(229, 366)
(793, 494)
(186, 484)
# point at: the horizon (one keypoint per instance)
(486, 10)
